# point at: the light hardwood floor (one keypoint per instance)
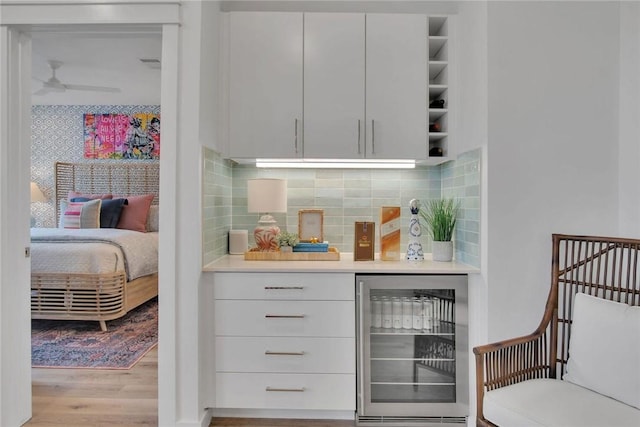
(104, 398)
(96, 397)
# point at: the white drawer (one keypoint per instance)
(286, 391)
(285, 318)
(285, 286)
(288, 355)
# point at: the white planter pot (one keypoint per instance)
(286, 249)
(442, 251)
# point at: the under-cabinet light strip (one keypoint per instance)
(336, 164)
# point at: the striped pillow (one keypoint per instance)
(80, 214)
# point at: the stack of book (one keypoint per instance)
(311, 247)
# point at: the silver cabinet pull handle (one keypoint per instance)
(272, 288)
(283, 353)
(295, 133)
(358, 136)
(284, 316)
(373, 136)
(297, 390)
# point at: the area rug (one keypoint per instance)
(80, 344)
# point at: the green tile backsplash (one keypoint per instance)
(346, 196)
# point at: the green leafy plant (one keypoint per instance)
(287, 239)
(440, 217)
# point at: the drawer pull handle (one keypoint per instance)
(297, 390)
(284, 353)
(284, 316)
(277, 288)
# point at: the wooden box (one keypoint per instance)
(364, 241)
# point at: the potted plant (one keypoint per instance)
(287, 241)
(440, 217)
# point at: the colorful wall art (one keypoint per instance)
(122, 136)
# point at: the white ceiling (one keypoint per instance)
(109, 59)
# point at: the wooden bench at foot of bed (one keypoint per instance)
(82, 296)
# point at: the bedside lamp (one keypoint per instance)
(36, 196)
(265, 196)
(36, 193)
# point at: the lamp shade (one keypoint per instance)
(36, 193)
(267, 195)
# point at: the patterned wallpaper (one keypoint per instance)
(57, 135)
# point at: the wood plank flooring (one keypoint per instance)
(96, 397)
(123, 398)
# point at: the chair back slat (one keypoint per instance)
(604, 267)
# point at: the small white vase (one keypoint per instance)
(442, 251)
(286, 249)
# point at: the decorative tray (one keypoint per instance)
(255, 255)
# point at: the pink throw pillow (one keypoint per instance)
(134, 215)
(74, 194)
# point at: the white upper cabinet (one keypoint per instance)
(396, 101)
(334, 85)
(265, 84)
(328, 85)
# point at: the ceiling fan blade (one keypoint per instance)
(41, 91)
(92, 88)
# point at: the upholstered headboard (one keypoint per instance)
(122, 179)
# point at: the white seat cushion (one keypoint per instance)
(555, 403)
(604, 349)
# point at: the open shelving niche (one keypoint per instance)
(439, 70)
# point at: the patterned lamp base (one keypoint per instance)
(265, 234)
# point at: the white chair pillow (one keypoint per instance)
(604, 348)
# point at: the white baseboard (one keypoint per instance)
(282, 413)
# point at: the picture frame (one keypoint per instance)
(310, 225)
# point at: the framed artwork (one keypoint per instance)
(122, 136)
(310, 223)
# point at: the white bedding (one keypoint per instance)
(94, 250)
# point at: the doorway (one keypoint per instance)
(76, 72)
(14, 123)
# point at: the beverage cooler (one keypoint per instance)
(412, 349)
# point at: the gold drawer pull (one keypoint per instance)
(297, 390)
(284, 353)
(284, 316)
(278, 288)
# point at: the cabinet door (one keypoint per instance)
(334, 85)
(396, 99)
(265, 84)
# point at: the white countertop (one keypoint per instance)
(236, 263)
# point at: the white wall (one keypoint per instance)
(629, 176)
(552, 149)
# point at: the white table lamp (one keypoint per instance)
(36, 193)
(266, 196)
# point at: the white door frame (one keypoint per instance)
(15, 160)
(15, 117)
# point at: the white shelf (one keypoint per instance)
(435, 136)
(436, 113)
(436, 45)
(439, 45)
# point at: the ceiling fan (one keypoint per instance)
(55, 85)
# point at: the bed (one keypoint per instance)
(96, 274)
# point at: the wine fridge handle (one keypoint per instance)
(358, 136)
(360, 333)
(295, 134)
